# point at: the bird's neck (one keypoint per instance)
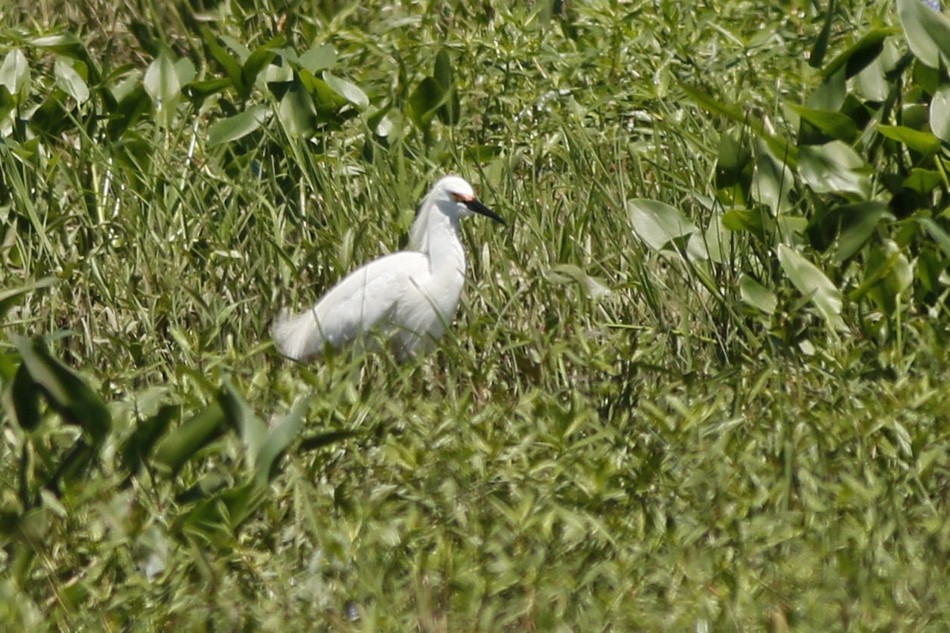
(444, 244)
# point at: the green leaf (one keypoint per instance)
(297, 112)
(325, 438)
(278, 440)
(571, 273)
(424, 101)
(772, 181)
(242, 418)
(937, 233)
(162, 85)
(927, 32)
(326, 99)
(201, 90)
(184, 442)
(66, 392)
(258, 60)
(138, 446)
(444, 76)
(207, 485)
(657, 223)
(833, 168)
(717, 241)
(922, 180)
(219, 517)
(65, 44)
(317, 58)
(15, 74)
(237, 126)
(858, 222)
(70, 81)
(812, 283)
(231, 66)
(922, 142)
(860, 54)
(818, 51)
(756, 295)
(350, 91)
(24, 399)
(940, 113)
(833, 124)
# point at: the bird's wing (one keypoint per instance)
(360, 302)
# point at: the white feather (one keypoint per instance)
(408, 298)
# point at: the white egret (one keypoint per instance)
(407, 297)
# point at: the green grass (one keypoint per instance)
(608, 438)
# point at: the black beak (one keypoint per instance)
(481, 209)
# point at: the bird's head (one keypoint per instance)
(455, 189)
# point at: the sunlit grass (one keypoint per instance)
(607, 439)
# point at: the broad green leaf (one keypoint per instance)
(734, 163)
(812, 283)
(207, 485)
(571, 273)
(833, 168)
(830, 95)
(278, 440)
(351, 91)
(242, 418)
(937, 233)
(66, 392)
(326, 99)
(219, 517)
(833, 124)
(24, 399)
(237, 126)
(858, 222)
(940, 114)
(200, 90)
(817, 56)
(138, 446)
(860, 54)
(162, 85)
(297, 112)
(185, 71)
(657, 223)
(715, 243)
(424, 101)
(70, 82)
(231, 66)
(922, 180)
(922, 142)
(318, 58)
(887, 274)
(15, 74)
(756, 295)
(444, 76)
(745, 220)
(194, 434)
(258, 60)
(927, 32)
(772, 181)
(482, 153)
(65, 44)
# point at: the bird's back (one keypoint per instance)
(396, 297)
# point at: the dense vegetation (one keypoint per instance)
(700, 383)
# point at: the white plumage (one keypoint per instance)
(407, 298)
